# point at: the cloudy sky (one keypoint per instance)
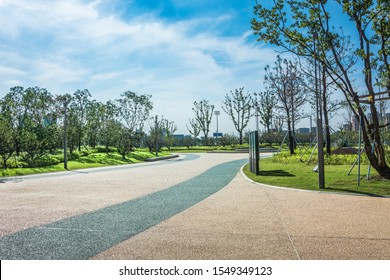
(177, 51)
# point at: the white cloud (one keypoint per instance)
(66, 45)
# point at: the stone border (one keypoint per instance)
(312, 191)
(161, 158)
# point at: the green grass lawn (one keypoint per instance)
(301, 176)
(98, 159)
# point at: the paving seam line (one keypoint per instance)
(284, 225)
(276, 210)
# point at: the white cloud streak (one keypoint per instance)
(66, 45)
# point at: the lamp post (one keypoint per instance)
(320, 142)
(217, 113)
(157, 134)
(65, 99)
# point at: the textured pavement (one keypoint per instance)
(242, 220)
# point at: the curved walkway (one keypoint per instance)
(242, 220)
(85, 235)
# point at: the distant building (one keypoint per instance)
(303, 130)
(178, 136)
(355, 122)
(347, 127)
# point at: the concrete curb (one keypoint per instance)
(309, 191)
(161, 158)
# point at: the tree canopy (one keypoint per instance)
(307, 29)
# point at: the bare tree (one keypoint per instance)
(286, 82)
(238, 106)
(327, 90)
(266, 102)
(203, 114)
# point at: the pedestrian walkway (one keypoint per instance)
(199, 209)
(86, 235)
(249, 221)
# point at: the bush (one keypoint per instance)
(102, 149)
(285, 157)
(45, 160)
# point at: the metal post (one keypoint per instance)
(257, 117)
(65, 135)
(156, 124)
(217, 113)
(360, 149)
(320, 146)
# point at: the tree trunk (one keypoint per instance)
(325, 113)
(377, 158)
(290, 136)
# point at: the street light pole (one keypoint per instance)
(157, 135)
(65, 134)
(320, 146)
(257, 117)
(217, 113)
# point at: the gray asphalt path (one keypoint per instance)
(241, 221)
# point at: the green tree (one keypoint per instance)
(14, 111)
(238, 106)
(94, 120)
(133, 111)
(126, 139)
(7, 145)
(169, 129)
(31, 116)
(78, 121)
(297, 25)
(110, 126)
(154, 140)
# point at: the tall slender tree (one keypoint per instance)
(238, 105)
(203, 111)
(286, 82)
(266, 105)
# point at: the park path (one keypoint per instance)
(242, 220)
(29, 201)
(76, 215)
(251, 221)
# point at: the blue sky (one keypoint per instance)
(178, 51)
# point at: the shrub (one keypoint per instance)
(45, 160)
(285, 157)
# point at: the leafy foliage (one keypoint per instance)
(306, 28)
